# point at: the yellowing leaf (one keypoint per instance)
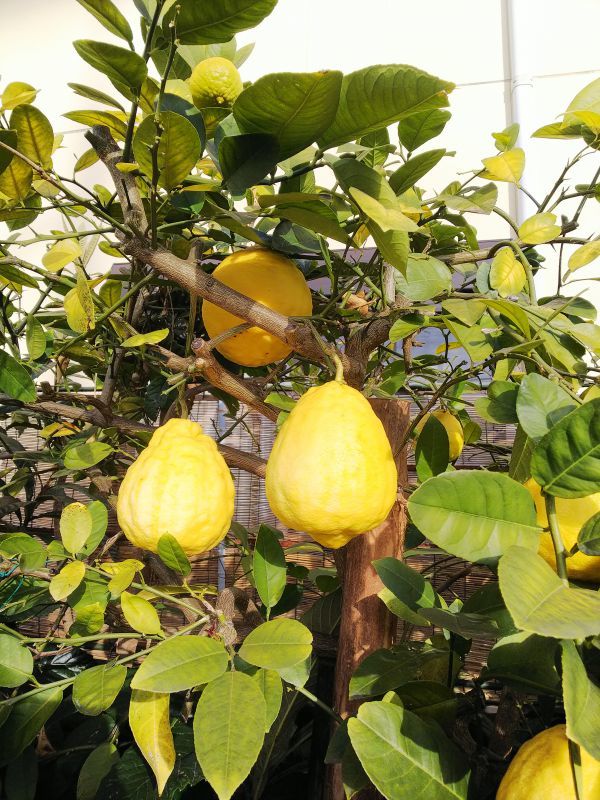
(76, 317)
(154, 337)
(17, 93)
(67, 580)
(539, 228)
(151, 729)
(57, 429)
(61, 253)
(75, 526)
(507, 274)
(140, 614)
(84, 293)
(387, 218)
(584, 255)
(591, 119)
(588, 99)
(507, 166)
(123, 573)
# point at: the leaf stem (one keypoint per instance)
(559, 547)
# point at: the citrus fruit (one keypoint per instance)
(215, 82)
(331, 472)
(179, 485)
(272, 280)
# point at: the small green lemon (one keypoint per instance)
(215, 82)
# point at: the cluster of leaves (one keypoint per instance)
(308, 165)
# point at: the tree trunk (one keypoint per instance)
(366, 624)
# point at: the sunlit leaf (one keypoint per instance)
(507, 274)
(96, 688)
(151, 729)
(507, 166)
(67, 580)
(140, 614)
(180, 664)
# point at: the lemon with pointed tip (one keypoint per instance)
(331, 472)
(181, 485)
(215, 82)
(541, 770)
(272, 280)
(454, 430)
(572, 514)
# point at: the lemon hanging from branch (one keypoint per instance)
(215, 82)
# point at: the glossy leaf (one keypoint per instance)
(500, 404)
(86, 455)
(430, 701)
(474, 514)
(566, 461)
(408, 586)
(588, 540)
(468, 626)
(16, 662)
(416, 130)
(277, 644)
(35, 337)
(95, 768)
(75, 526)
(525, 661)
(96, 688)
(584, 255)
(539, 602)
(178, 148)
(507, 274)
(432, 450)
(171, 553)
(117, 63)
(414, 169)
(34, 132)
(205, 23)
(246, 159)
(271, 686)
(375, 97)
(269, 567)
(541, 403)
(67, 580)
(181, 663)
(293, 107)
(229, 729)
(15, 381)
(386, 218)
(426, 277)
(115, 125)
(384, 670)
(405, 757)
(507, 166)
(15, 181)
(539, 228)
(151, 729)
(582, 701)
(109, 15)
(140, 614)
(17, 93)
(477, 200)
(26, 720)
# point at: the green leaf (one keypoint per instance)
(140, 614)
(277, 644)
(117, 63)
(91, 93)
(429, 701)
(34, 132)
(15, 381)
(387, 219)
(271, 686)
(229, 730)
(246, 159)
(414, 169)
(16, 93)
(115, 125)
(32, 554)
(16, 662)
(35, 337)
(426, 277)
(404, 326)
(432, 450)
(95, 768)
(500, 405)
(139, 339)
(507, 138)
(468, 626)
(171, 553)
(315, 215)
(384, 670)
(26, 720)
(15, 181)
(180, 664)
(405, 757)
(269, 567)
(582, 701)
(416, 130)
(151, 728)
(539, 228)
(477, 200)
(75, 527)
(178, 147)
(583, 255)
(294, 107)
(472, 338)
(99, 515)
(96, 688)
(109, 15)
(67, 580)
(408, 587)
(588, 540)
(566, 461)
(475, 515)
(205, 23)
(9, 138)
(541, 403)
(82, 456)
(375, 97)
(539, 602)
(525, 661)
(129, 779)
(21, 778)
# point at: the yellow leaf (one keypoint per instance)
(584, 255)
(76, 525)
(588, 99)
(76, 317)
(140, 614)
(56, 429)
(61, 253)
(507, 274)
(16, 94)
(86, 299)
(15, 181)
(591, 119)
(539, 228)
(151, 729)
(506, 166)
(67, 580)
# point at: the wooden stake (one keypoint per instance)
(366, 624)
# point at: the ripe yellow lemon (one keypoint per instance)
(331, 472)
(180, 485)
(215, 82)
(272, 280)
(541, 770)
(456, 436)
(571, 514)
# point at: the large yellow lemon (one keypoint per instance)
(541, 770)
(215, 82)
(180, 485)
(572, 514)
(331, 472)
(456, 436)
(272, 280)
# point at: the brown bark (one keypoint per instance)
(366, 624)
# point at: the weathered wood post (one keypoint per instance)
(366, 624)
